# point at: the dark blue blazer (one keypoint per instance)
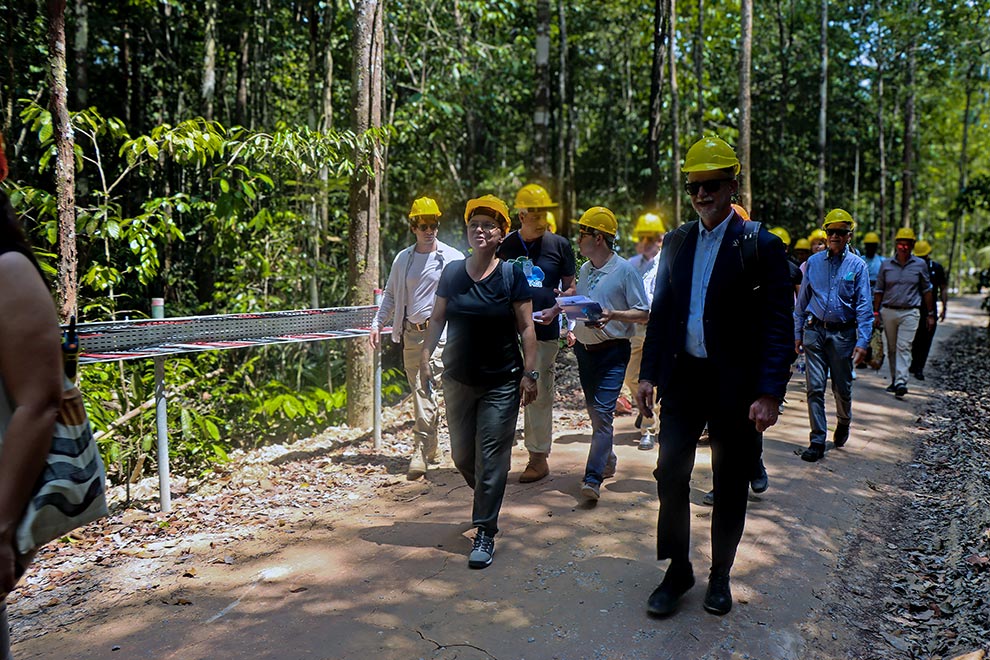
(749, 328)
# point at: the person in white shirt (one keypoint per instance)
(408, 303)
(649, 233)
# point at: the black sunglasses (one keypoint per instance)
(432, 226)
(838, 232)
(710, 186)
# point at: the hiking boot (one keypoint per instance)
(718, 598)
(900, 391)
(761, 482)
(483, 550)
(417, 466)
(609, 470)
(536, 469)
(676, 582)
(709, 498)
(841, 435)
(590, 491)
(813, 453)
(647, 442)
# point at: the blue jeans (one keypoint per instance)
(602, 370)
(828, 352)
(482, 424)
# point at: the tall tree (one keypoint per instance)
(907, 160)
(81, 52)
(209, 87)
(64, 162)
(660, 18)
(698, 50)
(675, 118)
(745, 99)
(822, 112)
(881, 148)
(367, 47)
(563, 123)
(541, 104)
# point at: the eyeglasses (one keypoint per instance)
(487, 227)
(582, 233)
(838, 232)
(710, 186)
(430, 226)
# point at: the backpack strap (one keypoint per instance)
(507, 276)
(673, 242)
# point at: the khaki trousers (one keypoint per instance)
(899, 326)
(424, 400)
(631, 382)
(538, 415)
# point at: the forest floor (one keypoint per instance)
(323, 549)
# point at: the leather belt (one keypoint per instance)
(604, 345)
(898, 307)
(417, 326)
(833, 325)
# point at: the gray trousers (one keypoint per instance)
(482, 423)
(899, 326)
(828, 353)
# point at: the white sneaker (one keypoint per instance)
(647, 442)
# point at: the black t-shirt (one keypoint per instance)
(482, 343)
(553, 255)
(795, 270)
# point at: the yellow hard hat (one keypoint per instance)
(922, 248)
(871, 237)
(740, 211)
(803, 244)
(838, 215)
(489, 202)
(818, 234)
(649, 223)
(782, 234)
(551, 222)
(710, 153)
(600, 218)
(424, 206)
(533, 196)
(905, 234)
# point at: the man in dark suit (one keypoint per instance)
(718, 350)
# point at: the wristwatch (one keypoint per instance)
(535, 375)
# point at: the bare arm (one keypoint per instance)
(524, 325)
(31, 369)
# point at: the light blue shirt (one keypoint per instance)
(836, 289)
(704, 260)
(873, 265)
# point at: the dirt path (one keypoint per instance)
(378, 569)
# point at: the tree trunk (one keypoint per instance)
(907, 185)
(745, 101)
(243, 69)
(81, 48)
(64, 162)
(210, 59)
(963, 173)
(675, 120)
(822, 113)
(563, 124)
(363, 235)
(466, 172)
(699, 69)
(660, 29)
(785, 36)
(541, 102)
(882, 148)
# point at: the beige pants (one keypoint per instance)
(538, 415)
(424, 400)
(899, 326)
(631, 382)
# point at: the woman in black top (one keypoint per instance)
(30, 383)
(488, 306)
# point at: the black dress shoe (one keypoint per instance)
(813, 453)
(718, 598)
(663, 600)
(841, 435)
(920, 375)
(900, 392)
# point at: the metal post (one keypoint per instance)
(161, 418)
(377, 360)
(164, 493)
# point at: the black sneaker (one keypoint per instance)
(841, 435)
(813, 453)
(483, 550)
(762, 482)
(676, 582)
(920, 375)
(718, 598)
(891, 388)
(900, 391)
